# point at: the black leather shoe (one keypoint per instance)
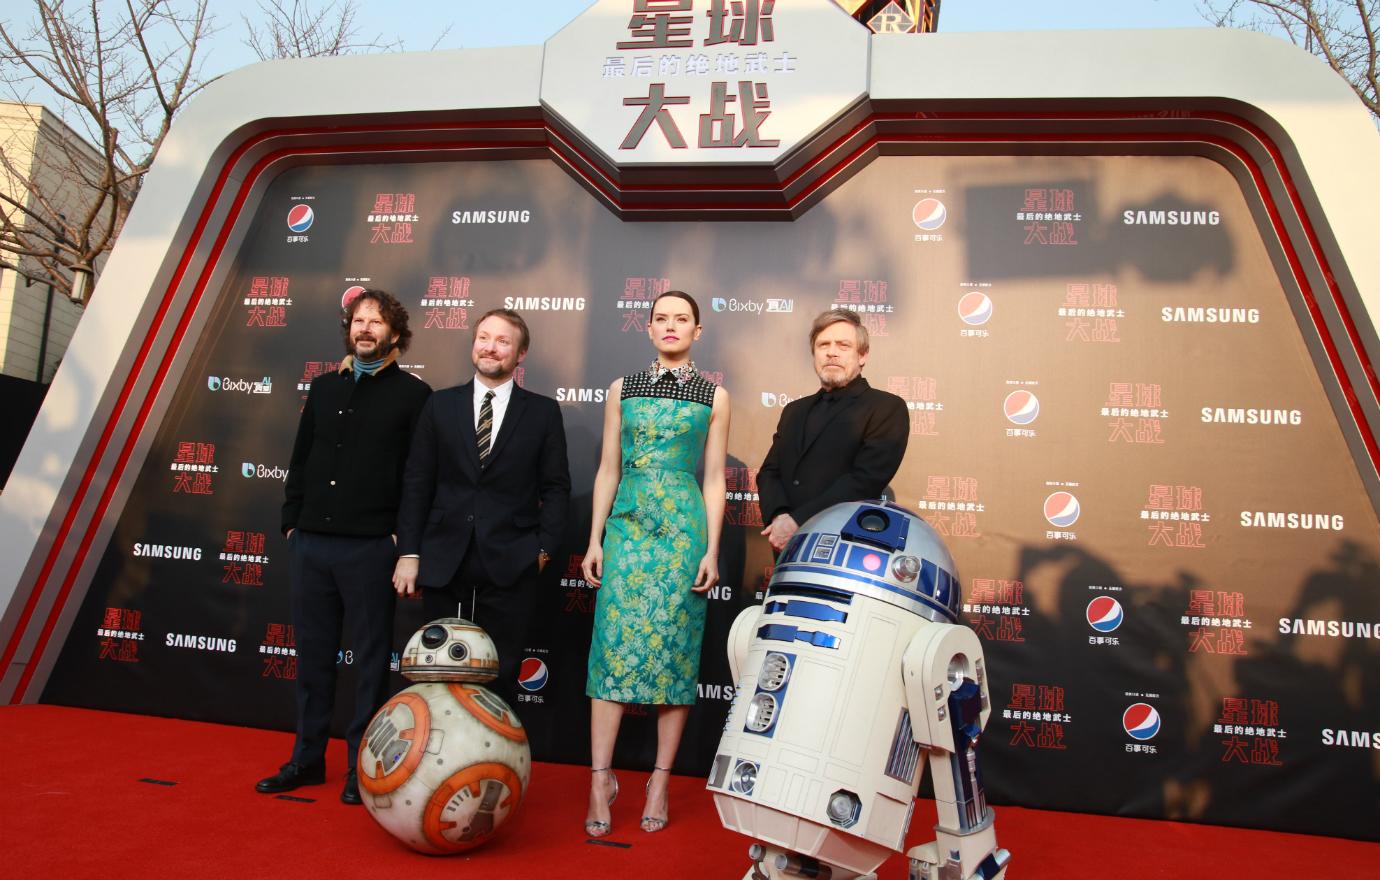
(350, 793)
(289, 777)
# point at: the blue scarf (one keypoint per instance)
(370, 367)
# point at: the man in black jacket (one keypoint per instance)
(843, 443)
(485, 495)
(343, 489)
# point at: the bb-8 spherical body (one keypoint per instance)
(445, 762)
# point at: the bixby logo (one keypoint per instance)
(772, 400)
(719, 303)
(248, 386)
(249, 470)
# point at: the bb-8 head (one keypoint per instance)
(450, 649)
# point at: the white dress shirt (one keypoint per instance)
(502, 394)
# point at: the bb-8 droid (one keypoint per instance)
(852, 675)
(445, 762)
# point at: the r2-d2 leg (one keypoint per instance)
(946, 689)
(773, 863)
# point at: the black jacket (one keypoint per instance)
(851, 457)
(513, 507)
(347, 463)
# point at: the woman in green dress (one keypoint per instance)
(653, 551)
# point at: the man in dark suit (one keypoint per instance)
(339, 515)
(485, 495)
(843, 443)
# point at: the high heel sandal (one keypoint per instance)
(598, 827)
(653, 824)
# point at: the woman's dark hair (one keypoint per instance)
(679, 294)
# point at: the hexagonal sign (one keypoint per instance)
(704, 81)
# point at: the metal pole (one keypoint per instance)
(47, 320)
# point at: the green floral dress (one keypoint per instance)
(648, 625)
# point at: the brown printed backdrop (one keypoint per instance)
(1164, 543)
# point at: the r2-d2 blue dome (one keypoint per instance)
(880, 550)
(851, 676)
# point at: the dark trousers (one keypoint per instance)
(333, 575)
(503, 611)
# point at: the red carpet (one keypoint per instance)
(81, 809)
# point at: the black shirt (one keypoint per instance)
(345, 477)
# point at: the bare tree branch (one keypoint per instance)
(117, 71)
(113, 75)
(1340, 32)
(300, 29)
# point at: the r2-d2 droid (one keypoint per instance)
(851, 671)
(445, 762)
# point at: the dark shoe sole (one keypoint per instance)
(266, 787)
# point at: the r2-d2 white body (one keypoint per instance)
(851, 673)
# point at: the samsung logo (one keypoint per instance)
(200, 643)
(457, 217)
(581, 395)
(1336, 629)
(1208, 315)
(167, 551)
(1171, 218)
(725, 692)
(545, 303)
(1229, 416)
(1352, 739)
(1261, 519)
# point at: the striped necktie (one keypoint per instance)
(484, 430)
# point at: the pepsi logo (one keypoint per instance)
(1021, 407)
(1141, 721)
(533, 675)
(300, 218)
(929, 214)
(975, 308)
(1105, 614)
(349, 295)
(1061, 509)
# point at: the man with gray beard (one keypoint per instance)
(843, 443)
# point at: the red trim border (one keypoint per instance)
(562, 149)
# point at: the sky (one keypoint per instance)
(420, 25)
(477, 23)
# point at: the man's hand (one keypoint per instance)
(542, 559)
(405, 575)
(780, 531)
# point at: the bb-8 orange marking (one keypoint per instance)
(378, 781)
(458, 792)
(504, 722)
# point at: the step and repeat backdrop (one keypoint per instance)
(1116, 423)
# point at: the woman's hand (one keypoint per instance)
(593, 565)
(708, 574)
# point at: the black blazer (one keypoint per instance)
(514, 507)
(851, 458)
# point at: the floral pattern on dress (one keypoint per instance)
(648, 624)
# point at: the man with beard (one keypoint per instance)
(843, 443)
(343, 488)
(485, 496)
